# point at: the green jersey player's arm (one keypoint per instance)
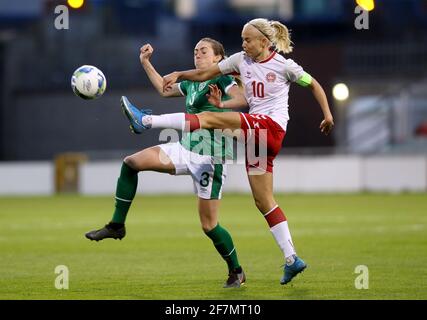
(192, 75)
(157, 81)
(237, 100)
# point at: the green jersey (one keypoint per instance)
(206, 142)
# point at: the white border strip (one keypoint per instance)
(249, 127)
(123, 199)
(274, 208)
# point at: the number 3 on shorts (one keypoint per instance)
(204, 182)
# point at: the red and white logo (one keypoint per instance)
(271, 77)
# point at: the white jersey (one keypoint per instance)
(266, 82)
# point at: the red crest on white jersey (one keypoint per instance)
(271, 77)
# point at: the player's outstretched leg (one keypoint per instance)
(111, 230)
(134, 115)
(291, 270)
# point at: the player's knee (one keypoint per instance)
(131, 162)
(128, 160)
(208, 226)
(258, 204)
(264, 205)
(206, 229)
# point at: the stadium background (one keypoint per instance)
(53, 143)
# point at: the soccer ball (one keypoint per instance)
(88, 82)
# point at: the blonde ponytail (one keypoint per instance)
(281, 37)
(276, 32)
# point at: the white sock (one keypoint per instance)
(168, 121)
(283, 238)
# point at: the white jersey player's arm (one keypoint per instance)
(192, 75)
(224, 67)
(319, 94)
(296, 74)
(231, 64)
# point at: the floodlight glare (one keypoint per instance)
(340, 92)
(367, 5)
(75, 4)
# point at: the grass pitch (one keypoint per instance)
(165, 254)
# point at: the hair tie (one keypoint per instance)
(265, 35)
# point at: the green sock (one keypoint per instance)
(125, 192)
(224, 245)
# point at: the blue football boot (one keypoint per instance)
(134, 115)
(290, 271)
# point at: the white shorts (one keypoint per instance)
(208, 176)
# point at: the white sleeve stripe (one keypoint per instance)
(180, 90)
(229, 86)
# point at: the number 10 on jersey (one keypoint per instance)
(258, 89)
